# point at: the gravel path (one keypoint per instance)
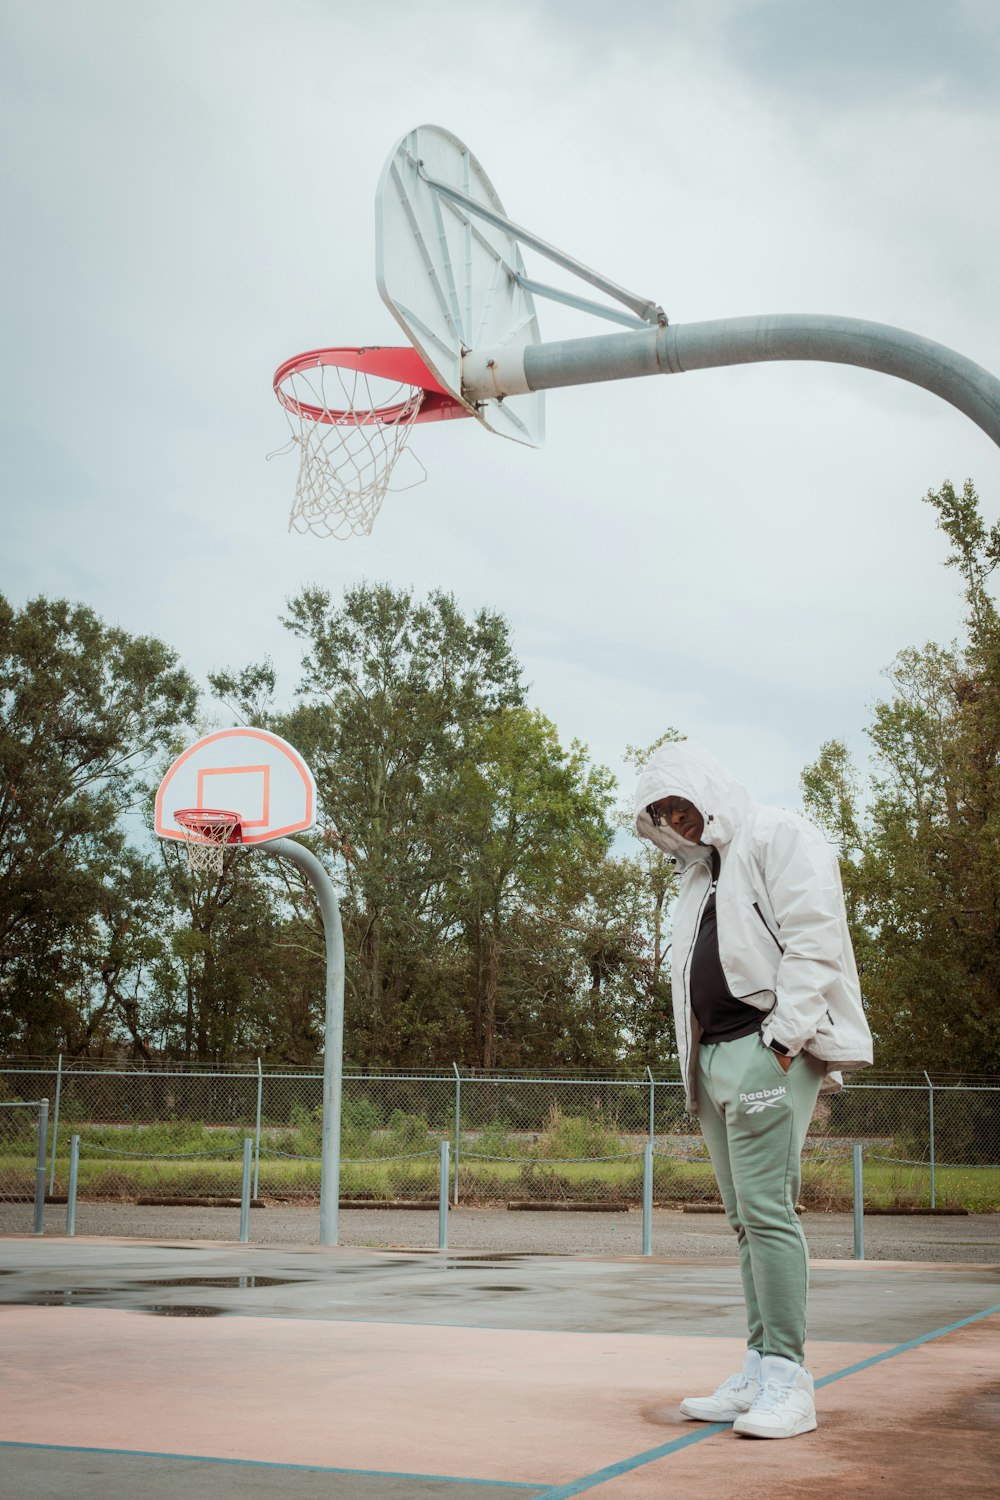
(970, 1239)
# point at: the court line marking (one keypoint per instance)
(651, 1455)
(254, 1463)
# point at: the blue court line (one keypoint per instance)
(253, 1463)
(925, 1338)
(639, 1460)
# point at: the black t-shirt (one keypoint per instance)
(721, 1016)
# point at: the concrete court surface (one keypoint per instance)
(698, 1236)
(160, 1370)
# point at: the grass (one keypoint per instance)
(189, 1160)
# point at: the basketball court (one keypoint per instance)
(161, 1370)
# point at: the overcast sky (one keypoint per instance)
(737, 553)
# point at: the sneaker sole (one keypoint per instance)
(694, 1413)
(743, 1428)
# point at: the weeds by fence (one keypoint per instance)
(178, 1135)
(24, 1144)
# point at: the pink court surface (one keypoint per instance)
(158, 1370)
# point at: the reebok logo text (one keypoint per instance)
(763, 1099)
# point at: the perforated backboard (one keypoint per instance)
(448, 277)
(251, 771)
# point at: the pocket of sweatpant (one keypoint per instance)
(774, 1060)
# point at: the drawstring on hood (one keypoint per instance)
(687, 769)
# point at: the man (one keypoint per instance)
(767, 1006)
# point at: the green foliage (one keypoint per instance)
(920, 845)
(494, 1140)
(486, 919)
(84, 708)
(359, 1117)
(408, 1133)
(577, 1137)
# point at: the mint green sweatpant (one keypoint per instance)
(754, 1117)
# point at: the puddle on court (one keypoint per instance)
(120, 1294)
(65, 1296)
(130, 1291)
(112, 1297)
(490, 1257)
(182, 1310)
(365, 1270)
(243, 1283)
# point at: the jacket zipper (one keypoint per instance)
(685, 972)
(767, 929)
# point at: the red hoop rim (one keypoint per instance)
(198, 819)
(403, 365)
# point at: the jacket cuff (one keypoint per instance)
(769, 1034)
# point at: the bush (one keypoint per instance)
(493, 1141)
(408, 1133)
(574, 1137)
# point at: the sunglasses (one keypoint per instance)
(661, 813)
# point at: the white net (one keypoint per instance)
(347, 458)
(207, 840)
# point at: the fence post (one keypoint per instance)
(930, 1093)
(74, 1170)
(55, 1127)
(859, 1202)
(652, 1104)
(458, 1122)
(40, 1164)
(256, 1139)
(245, 1190)
(647, 1198)
(443, 1199)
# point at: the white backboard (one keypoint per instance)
(448, 277)
(248, 771)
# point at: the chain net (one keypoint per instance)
(347, 457)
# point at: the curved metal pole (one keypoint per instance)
(333, 1050)
(737, 341)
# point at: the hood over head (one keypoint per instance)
(687, 769)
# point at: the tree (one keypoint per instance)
(525, 821)
(921, 860)
(486, 920)
(131, 933)
(85, 706)
(237, 977)
(392, 693)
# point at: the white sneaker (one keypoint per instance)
(734, 1396)
(785, 1406)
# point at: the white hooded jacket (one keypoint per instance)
(784, 943)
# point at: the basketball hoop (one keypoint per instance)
(208, 832)
(351, 412)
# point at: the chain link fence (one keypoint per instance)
(176, 1137)
(24, 1136)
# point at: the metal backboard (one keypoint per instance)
(448, 277)
(250, 771)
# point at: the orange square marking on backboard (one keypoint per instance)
(264, 772)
